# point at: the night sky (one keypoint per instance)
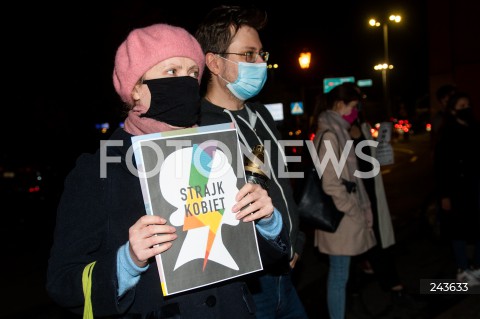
(59, 69)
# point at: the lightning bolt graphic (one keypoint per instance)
(212, 219)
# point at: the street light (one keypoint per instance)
(304, 60)
(375, 23)
(383, 66)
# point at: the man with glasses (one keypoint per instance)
(236, 72)
(250, 56)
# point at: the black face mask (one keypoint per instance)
(175, 100)
(465, 114)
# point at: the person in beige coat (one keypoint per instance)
(354, 234)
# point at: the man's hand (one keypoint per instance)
(253, 202)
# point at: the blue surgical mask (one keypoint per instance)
(250, 80)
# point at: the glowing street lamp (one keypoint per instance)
(304, 60)
(383, 66)
(375, 23)
(386, 64)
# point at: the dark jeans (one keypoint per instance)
(276, 297)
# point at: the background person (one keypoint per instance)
(457, 181)
(157, 73)
(442, 95)
(380, 257)
(236, 72)
(354, 235)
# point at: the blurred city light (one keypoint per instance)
(374, 23)
(304, 60)
(103, 127)
(383, 66)
(395, 18)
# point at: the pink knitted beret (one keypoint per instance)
(146, 47)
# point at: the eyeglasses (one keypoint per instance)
(251, 56)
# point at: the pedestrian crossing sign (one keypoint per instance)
(296, 108)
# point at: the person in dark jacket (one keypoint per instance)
(102, 218)
(457, 181)
(236, 72)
